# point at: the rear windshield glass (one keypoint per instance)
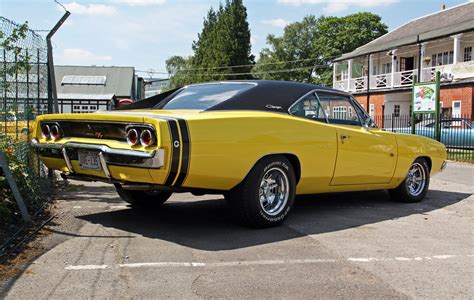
(203, 96)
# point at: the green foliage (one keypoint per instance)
(34, 188)
(10, 44)
(223, 41)
(313, 43)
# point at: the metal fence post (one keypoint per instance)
(14, 188)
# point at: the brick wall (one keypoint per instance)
(378, 100)
(448, 95)
(463, 94)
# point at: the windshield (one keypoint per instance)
(203, 96)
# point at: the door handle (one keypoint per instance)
(344, 137)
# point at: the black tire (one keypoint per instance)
(403, 193)
(143, 198)
(244, 200)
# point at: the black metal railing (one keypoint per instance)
(456, 131)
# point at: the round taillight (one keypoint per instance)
(46, 132)
(55, 132)
(132, 137)
(146, 138)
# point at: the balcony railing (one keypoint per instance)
(381, 81)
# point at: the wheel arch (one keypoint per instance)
(428, 160)
(294, 160)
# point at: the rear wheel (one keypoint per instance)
(266, 195)
(415, 186)
(143, 198)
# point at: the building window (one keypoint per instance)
(371, 110)
(442, 58)
(396, 110)
(81, 109)
(387, 68)
(468, 53)
(339, 112)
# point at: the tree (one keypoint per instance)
(10, 43)
(178, 66)
(312, 45)
(223, 42)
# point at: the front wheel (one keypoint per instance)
(143, 198)
(266, 195)
(415, 186)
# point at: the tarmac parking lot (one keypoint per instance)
(352, 245)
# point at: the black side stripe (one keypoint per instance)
(175, 150)
(183, 172)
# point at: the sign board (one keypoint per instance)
(424, 97)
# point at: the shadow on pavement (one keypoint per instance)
(206, 225)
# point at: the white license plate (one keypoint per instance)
(89, 160)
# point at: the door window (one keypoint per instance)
(338, 109)
(309, 108)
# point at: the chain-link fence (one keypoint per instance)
(24, 94)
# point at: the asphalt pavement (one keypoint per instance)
(349, 245)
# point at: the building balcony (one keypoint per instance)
(449, 73)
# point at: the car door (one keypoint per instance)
(365, 155)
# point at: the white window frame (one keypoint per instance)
(395, 113)
(467, 53)
(339, 112)
(372, 110)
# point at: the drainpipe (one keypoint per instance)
(369, 67)
(52, 77)
(419, 58)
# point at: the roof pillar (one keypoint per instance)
(394, 66)
(457, 48)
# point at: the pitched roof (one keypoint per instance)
(89, 80)
(453, 20)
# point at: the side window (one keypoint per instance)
(309, 108)
(338, 109)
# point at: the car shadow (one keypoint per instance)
(206, 224)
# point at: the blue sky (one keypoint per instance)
(144, 33)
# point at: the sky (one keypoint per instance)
(144, 33)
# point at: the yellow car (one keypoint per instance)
(259, 143)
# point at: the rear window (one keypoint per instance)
(203, 96)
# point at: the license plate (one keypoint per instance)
(89, 160)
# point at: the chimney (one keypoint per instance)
(443, 6)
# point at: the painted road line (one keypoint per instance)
(265, 262)
(86, 267)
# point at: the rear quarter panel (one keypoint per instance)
(225, 146)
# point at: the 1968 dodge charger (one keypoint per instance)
(259, 143)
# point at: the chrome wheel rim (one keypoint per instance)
(274, 191)
(416, 179)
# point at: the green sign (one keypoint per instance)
(424, 97)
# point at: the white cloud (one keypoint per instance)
(332, 6)
(276, 22)
(77, 55)
(91, 9)
(140, 2)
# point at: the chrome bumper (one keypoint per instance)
(107, 156)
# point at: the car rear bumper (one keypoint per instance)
(107, 156)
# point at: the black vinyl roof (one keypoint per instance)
(266, 95)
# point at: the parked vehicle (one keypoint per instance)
(259, 143)
(455, 132)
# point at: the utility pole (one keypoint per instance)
(52, 78)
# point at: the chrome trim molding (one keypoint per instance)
(104, 165)
(153, 159)
(67, 160)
